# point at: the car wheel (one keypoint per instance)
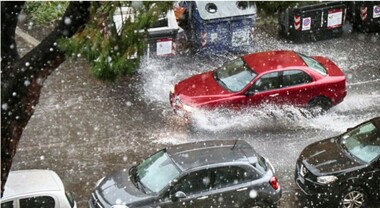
(353, 198)
(319, 105)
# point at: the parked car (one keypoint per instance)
(200, 174)
(278, 77)
(36, 188)
(345, 168)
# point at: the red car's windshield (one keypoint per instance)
(234, 75)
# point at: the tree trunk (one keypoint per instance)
(22, 79)
(9, 17)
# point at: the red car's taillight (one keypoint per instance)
(274, 183)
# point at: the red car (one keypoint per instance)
(275, 77)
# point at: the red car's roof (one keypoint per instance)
(272, 60)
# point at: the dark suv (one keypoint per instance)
(343, 170)
(202, 174)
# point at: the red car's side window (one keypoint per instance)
(295, 77)
(267, 82)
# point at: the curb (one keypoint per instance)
(31, 40)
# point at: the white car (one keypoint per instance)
(36, 188)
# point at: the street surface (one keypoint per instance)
(84, 128)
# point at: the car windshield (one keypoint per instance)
(157, 171)
(313, 64)
(362, 142)
(234, 75)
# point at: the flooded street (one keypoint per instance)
(84, 128)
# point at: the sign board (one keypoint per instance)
(306, 23)
(376, 11)
(334, 18)
(164, 47)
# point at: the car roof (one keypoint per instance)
(272, 60)
(26, 182)
(204, 153)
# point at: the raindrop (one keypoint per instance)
(253, 194)
(4, 106)
(30, 25)
(26, 83)
(119, 201)
(21, 17)
(206, 181)
(67, 20)
(374, 39)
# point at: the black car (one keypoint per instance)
(343, 170)
(202, 174)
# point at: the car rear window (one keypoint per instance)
(313, 64)
(38, 201)
(261, 165)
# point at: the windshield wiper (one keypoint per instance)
(133, 176)
(136, 179)
(219, 80)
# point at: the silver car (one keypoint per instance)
(202, 174)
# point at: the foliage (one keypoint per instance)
(42, 12)
(109, 52)
(272, 7)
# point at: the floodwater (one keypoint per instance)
(84, 128)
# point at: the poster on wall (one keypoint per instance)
(164, 47)
(334, 18)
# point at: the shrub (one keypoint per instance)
(43, 12)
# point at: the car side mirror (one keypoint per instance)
(249, 93)
(178, 195)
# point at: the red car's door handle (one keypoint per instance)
(274, 95)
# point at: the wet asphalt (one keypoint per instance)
(84, 128)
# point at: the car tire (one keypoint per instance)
(319, 105)
(353, 198)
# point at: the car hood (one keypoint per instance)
(327, 156)
(199, 89)
(117, 188)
